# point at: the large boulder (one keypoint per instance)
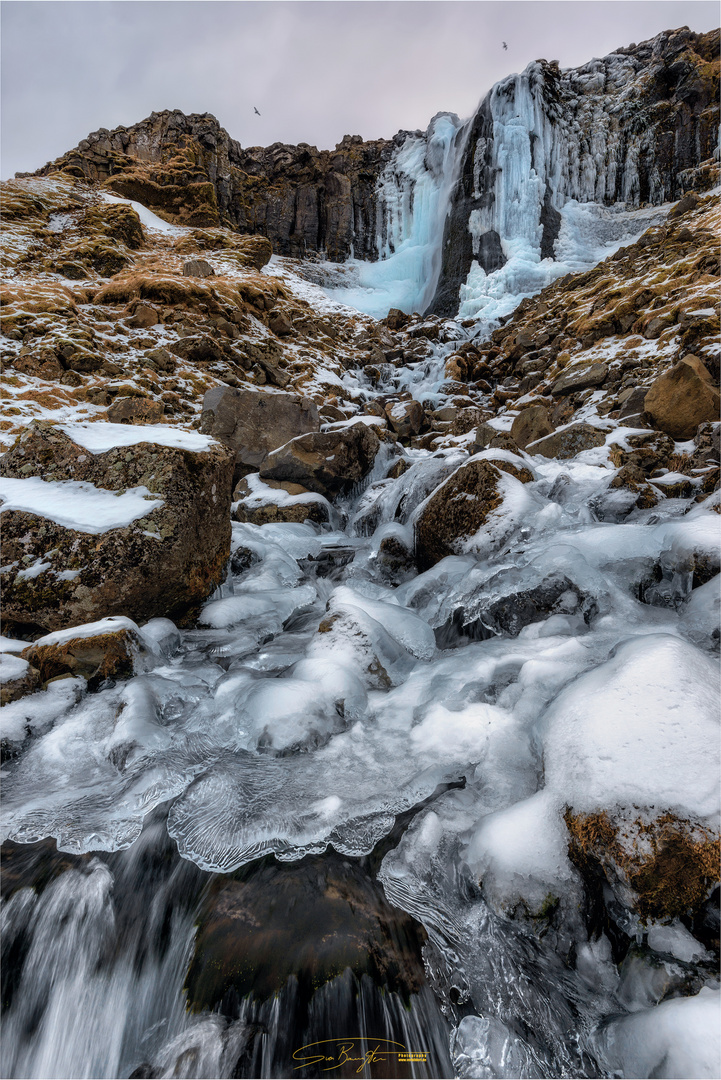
(138, 529)
(327, 462)
(568, 442)
(254, 422)
(682, 398)
(531, 424)
(460, 507)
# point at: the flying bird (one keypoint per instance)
(504, 46)
(256, 111)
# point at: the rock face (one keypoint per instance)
(189, 169)
(328, 462)
(253, 422)
(651, 108)
(653, 139)
(682, 398)
(163, 563)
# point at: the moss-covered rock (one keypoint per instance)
(661, 867)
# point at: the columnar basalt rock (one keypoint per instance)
(192, 172)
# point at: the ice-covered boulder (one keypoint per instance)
(112, 519)
(260, 502)
(254, 422)
(632, 749)
(481, 495)
(327, 462)
(679, 1037)
(106, 649)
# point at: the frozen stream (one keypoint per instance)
(330, 707)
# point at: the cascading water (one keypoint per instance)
(413, 195)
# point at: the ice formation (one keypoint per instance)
(413, 193)
(555, 188)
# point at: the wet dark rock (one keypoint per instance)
(311, 920)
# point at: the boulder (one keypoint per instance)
(255, 251)
(682, 398)
(646, 450)
(466, 420)
(199, 349)
(579, 379)
(405, 417)
(254, 422)
(632, 402)
(17, 678)
(106, 649)
(278, 323)
(141, 530)
(459, 507)
(198, 268)
(568, 442)
(397, 319)
(160, 360)
(327, 462)
(135, 410)
(260, 502)
(143, 317)
(531, 424)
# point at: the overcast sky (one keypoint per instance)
(314, 70)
